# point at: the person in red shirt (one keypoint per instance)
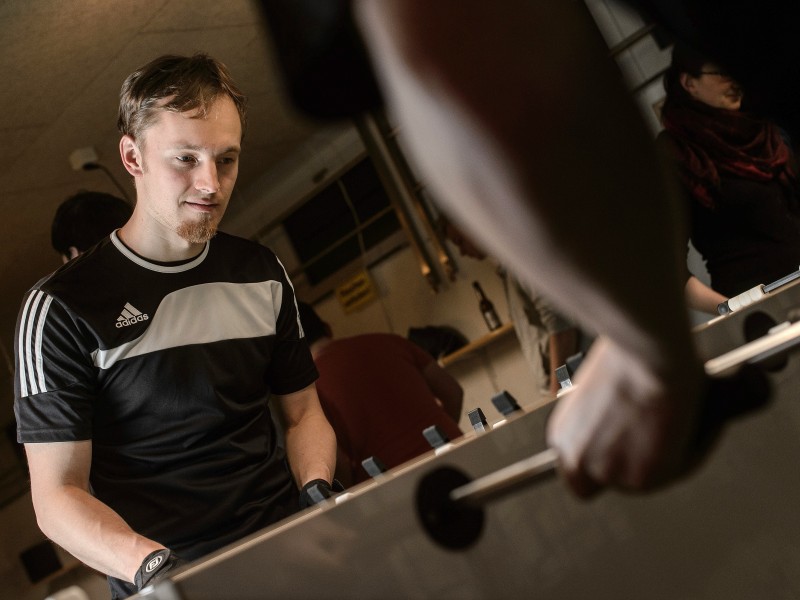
(379, 392)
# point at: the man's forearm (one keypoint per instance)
(520, 123)
(310, 440)
(74, 519)
(92, 532)
(311, 449)
(544, 161)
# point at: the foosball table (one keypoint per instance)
(483, 517)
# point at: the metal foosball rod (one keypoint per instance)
(539, 467)
(725, 401)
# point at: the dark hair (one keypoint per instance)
(313, 327)
(85, 218)
(684, 60)
(187, 83)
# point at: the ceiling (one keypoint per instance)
(63, 64)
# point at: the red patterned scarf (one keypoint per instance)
(711, 141)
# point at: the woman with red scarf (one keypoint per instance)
(739, 175)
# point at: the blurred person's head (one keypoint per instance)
(693, 77)
(84, 219)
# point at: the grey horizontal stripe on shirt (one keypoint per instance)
(190, 316)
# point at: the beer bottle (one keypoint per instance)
(487, 308)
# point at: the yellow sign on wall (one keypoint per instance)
(356, 292)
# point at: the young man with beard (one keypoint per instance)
(144, 366)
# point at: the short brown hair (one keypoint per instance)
(190, 83)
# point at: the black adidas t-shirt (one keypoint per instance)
(167, 369)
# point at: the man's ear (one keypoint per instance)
(131, 155)
(687, 82)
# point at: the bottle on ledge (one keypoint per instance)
(487, 308)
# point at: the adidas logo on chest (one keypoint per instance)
(130, 316)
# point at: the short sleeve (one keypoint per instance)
(54, 378)
(292, 367)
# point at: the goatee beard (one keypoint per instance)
(197, 232)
